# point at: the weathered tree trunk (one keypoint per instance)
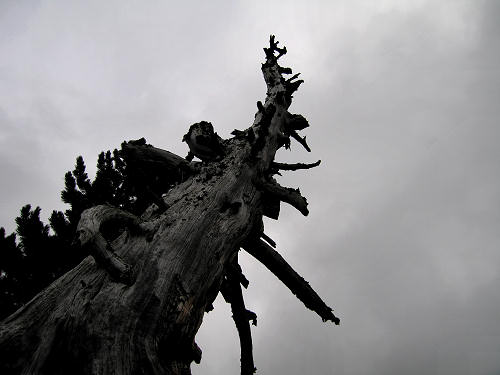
(135, 305)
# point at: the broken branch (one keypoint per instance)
(288, 195)
(231, 291)
(284, 70)
(291, 87)
(294, 167)
(283, 271)
(299, 139)
(152, 159)
(296, 122)
(295, 76)
(273, 46)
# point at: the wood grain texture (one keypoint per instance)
(134, 307)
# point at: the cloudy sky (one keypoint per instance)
(403, 98)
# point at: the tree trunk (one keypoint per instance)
(134, 306)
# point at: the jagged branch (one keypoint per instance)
(301, 140)
(292, 86)
(295, 76)
(231, 291)
(293, 167)
(296, 122)
(273, 47)
(234, 270)
(283, 271)
(92, 228)
(272, 71)
(288, 195)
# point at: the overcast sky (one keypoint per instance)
(403, 98)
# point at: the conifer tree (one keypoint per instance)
(11, 267)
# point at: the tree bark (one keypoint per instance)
(134, 306)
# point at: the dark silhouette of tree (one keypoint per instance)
(163, 235)
(61, 227)
(41, 257)
(30, 266)
(77, 192)
(11, 266)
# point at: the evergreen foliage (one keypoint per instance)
(11, 268)
(39, 256)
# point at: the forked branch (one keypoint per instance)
(273, 46)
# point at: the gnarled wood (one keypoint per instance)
(288, 195)
(93, 321)
(155, 160)
(98, 220)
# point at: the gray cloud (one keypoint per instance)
(402, 98)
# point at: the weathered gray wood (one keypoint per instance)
(288, 195)
(296, 283)
(88, 323)
(89, 236)
(98, 319)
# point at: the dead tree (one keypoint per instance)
(134, 306)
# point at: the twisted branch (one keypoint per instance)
(94, 223)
